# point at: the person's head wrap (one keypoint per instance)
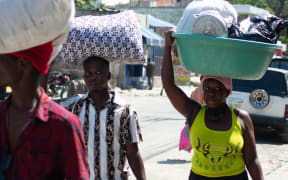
(39, 56)
(227, 82)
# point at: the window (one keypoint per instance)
(279, 63)
(273, 82)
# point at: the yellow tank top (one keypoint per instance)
(216, 153)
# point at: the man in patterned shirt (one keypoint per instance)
(39, 139)
(111, 128)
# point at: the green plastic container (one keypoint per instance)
(225, 57)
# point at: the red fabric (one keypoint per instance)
(39, 56)
(51, 146)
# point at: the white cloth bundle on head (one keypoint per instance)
(29, 23)
(115, 37)
(197, 7)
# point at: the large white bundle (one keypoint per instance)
(196, 8)
(29, 23)
(115, 37)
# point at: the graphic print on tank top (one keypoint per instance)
(216, 154)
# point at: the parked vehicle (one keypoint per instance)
(57, 83)
(266, 100)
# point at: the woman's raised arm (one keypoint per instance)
(177, 97)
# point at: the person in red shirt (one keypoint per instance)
(38, 138)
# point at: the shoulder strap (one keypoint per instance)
(191, 117)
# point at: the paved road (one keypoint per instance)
(161, 126)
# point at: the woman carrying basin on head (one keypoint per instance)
(222, 138)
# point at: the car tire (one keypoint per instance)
(283, 137)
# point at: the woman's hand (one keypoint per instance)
(169, 40)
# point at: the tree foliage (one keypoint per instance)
(86, 4)
(258, 3)
(280, 7)
(276, 7)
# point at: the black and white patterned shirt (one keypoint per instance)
(106, 132)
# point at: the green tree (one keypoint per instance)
(280, 7)
(276, 7)
(86, 4)
(258, 3)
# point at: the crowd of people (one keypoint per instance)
(96, 136)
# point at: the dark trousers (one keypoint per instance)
(150, 82)
(242, 176)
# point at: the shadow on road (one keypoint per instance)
(267, 137)
(158, 119)
(174, 161)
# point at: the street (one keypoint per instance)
(161, 126)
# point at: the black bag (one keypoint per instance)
(263, 29)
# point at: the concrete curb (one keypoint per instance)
(158, 91)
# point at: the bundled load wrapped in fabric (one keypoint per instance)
(28, 23)
(115, 37)
(207, 17)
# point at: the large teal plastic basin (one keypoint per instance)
(225, 57)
